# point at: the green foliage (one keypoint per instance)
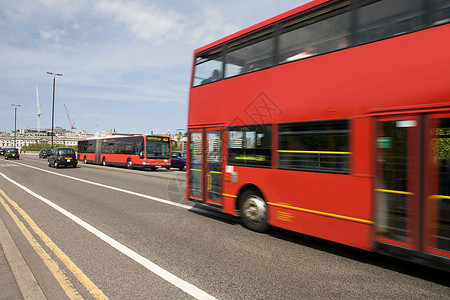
(444, 143)
(38, 147)
(175, 147)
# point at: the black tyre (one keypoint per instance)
(254, 211)
(182, 168)
(56, 165)
(129, 164)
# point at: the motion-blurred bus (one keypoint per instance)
(332, 120)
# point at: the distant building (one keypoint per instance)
(26, 137)
(180, 141)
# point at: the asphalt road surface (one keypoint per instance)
(110, 233)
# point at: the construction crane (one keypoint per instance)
(72, 125)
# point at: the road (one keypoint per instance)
(113, 233)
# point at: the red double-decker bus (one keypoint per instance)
(332, 120)
(141, 151)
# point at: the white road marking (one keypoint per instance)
(164, 274)
(112, 188)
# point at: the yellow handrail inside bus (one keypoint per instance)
(438, 197)
(209, 182)
(394, 192)
(210, 179)
(315, 152)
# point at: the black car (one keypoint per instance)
(12, 153)
(2, 151)
(44, 153)
(62, 157)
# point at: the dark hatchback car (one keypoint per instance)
(178, 160)
(2, 151)
(44, 153)
(12, 153)
(62, 157)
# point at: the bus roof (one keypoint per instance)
(280, 17)
(121, 136)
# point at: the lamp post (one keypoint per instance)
(53, 105)
(15, 122)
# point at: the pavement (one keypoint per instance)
(17, 282)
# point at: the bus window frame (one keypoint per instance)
(268, 33)
(268, 130)
(348, 153)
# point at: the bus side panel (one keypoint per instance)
(115, 159)
(330, 206)
(342, 231)
(90, 157)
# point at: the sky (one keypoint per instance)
(126, 64)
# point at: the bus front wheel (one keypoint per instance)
(254, 211)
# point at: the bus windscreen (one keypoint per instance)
(158, 147)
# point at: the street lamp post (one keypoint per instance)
(15, 122)
(53, 105)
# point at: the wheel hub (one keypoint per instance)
(255, 209)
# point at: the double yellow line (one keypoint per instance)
(52, 265)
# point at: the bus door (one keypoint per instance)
(412, 188)
(195, 165)
(213, 150)
(205, 165)
(437, 185)
(398, 212)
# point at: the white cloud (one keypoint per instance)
(210, 24)
(54, 35)
(146, 22)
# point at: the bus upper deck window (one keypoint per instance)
(208, 67)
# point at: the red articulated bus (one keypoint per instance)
(140, 151)
(332, 120)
